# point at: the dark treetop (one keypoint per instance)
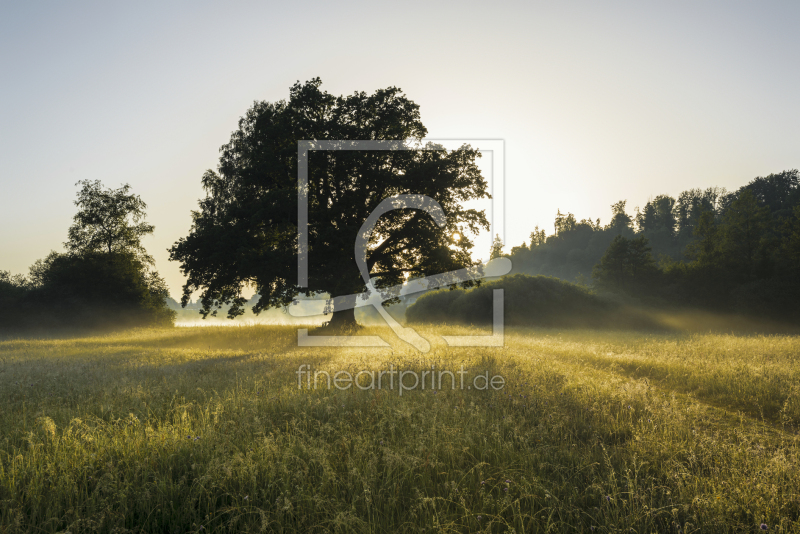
(245, 231)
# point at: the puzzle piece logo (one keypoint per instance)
(373, 298)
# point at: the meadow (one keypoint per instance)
(206, 430)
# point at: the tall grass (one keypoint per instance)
(206, 430)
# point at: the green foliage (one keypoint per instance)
(690, 206)
(435, 307)
(704, 249)
(658, 222)
(744, 239)
(246, 229)
(627, 267)
(743, 261)
(99, 290)
(13, 289)
(729, 252)
(538, 237)
(93, 290)
(497, 248)
(564, 223)
(574, 249)
(110, 221)
(621, 223)
(105, 280)
(788, 263)
(528, 300)
(658, 216)
(780, 192)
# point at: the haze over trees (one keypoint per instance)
(731, 252)
(245, 232)
(106, 277)
(627, 266)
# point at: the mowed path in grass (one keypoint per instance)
(206, 430)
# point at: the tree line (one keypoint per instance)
(728, 251)
(104, 279)
(709, 248)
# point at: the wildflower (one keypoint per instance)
(479, 518)
(608, 498)
(764, 526)
(483, 482)
(508, 481)
(246, 497)
(505, 489)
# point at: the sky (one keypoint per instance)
(595, 101)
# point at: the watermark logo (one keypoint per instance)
(497, 267)
(385, 380)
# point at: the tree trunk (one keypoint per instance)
(344, 319)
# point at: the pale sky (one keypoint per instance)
(596, 101)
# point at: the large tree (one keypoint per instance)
(245, 232)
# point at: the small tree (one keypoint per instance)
(626, 267)
(621, 223)
(564, 223)
(109, 220)
(497, 248)
(538, 237)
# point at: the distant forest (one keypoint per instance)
(708, 250)
(734, 251)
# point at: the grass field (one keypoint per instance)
(206, 430)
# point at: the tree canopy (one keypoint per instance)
(245, 231)
(627, 266)
(108, 220)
